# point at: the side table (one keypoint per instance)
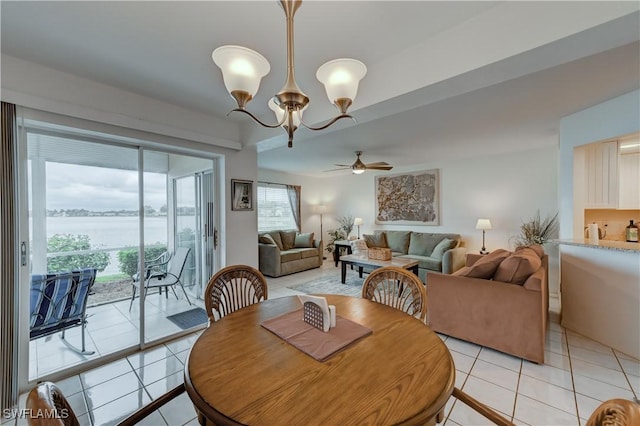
(338, 245)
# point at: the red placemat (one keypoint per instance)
(312, 341)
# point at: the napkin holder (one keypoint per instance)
(317, 313)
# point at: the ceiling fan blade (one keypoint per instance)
(381, 163)
(369, 167)
(341, 168)
(343, 165)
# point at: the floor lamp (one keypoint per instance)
(321, 209)
(483, 224)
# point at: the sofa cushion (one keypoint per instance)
(376, 240)
(443, 246)
(486, 266)
(290, 255)
(398, 241)
(422, 244)
(516, 268)
(425, 262)
(288, 239)
(308, 252)
(304, 240)
(266, 239)
(358, 247)
(537, 248)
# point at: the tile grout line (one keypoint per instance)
(573, 382)
(635, 396)
(515, 400)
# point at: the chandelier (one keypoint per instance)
(243, 68)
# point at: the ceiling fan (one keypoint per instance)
(359, 167)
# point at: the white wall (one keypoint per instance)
(616, 117)
(128, 114)
(507, 188)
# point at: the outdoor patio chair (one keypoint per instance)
(58, 301)
(155, 268)
(170, 279)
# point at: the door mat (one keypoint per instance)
(190, 318)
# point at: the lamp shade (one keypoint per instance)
(358, 221)
(242, 68)
(341, 78)
(320, 208)
(483, 224)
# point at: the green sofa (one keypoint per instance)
(432, 250)
(284, 252)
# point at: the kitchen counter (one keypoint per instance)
(602, 244)
(600, 292)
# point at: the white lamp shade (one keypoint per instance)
(320, 208)
(279, 112)
(242, 68)
(358, 221)
(483, 224)
(341, 77)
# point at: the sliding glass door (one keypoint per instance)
(144, 220)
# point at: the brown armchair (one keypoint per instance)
(510, 318)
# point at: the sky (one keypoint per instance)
(100, 189)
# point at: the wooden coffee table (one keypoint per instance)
(362, 261)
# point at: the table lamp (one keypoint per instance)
(357, 222)
(483, 224)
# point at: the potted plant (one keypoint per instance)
(346, 224)
(334, 235)
(537, 230)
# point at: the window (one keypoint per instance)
(274, 208)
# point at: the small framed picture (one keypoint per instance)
(241, 194)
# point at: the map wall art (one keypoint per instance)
(410, 198)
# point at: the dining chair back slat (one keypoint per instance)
(233, 288)
(399, 288)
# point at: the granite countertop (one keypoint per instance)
(602, 244)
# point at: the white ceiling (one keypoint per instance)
(446, 79)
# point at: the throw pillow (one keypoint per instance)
(358, 247)
(537, 248)
(276, 238)
(486, 266)
(443, 246)
(398, 241)
(376, 240)
(288, 239)
(266, 239)
(516, 268)
(304, 241)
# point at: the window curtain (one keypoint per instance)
(293, 191)
(8, 272)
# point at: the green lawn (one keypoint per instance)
(109, 278)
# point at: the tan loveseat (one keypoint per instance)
(435, 252)
(288, 251)
(508, 317)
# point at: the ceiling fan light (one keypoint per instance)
(242, 68)
(358, 171)
(341, 78)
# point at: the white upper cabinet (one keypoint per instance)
(629, 173)
(601, 173)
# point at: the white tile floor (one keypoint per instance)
(577, 375)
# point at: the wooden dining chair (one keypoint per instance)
(616, 412)
(399, 288)
(49, 407)
(233, 288)
(480, 408)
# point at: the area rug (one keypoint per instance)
(331, 285)
(190, 318)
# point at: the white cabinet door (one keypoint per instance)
(601, 168)
(629, 184)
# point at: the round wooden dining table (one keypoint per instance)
(238, 372)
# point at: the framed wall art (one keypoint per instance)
(408, 199)
(241, 194)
